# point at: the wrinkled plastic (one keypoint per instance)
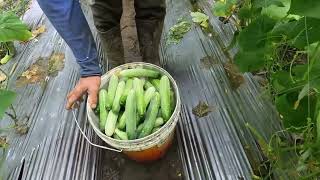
(219, 145)
(53, 148)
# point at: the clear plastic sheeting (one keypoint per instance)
(219, 145)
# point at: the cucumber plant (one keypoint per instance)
(11, 29)
(280, 39)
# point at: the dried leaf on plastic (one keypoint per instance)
(234, 75)
(177, 32)
(35, 33)
(21, 128)
(208, 62)
(37, 72)
(202, 109)
(56, 63)
(3, 142)
(42, 68)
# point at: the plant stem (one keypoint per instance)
(14, 115)
(291, 64)
(312, 60)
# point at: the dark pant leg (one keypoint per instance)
(106, 16)
(150, 9)
(149, 19)
(106, 13)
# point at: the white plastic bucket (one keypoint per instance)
(153, 146)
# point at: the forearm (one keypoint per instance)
(68, 19)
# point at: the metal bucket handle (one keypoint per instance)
(88, 140)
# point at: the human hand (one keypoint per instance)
(88, 85)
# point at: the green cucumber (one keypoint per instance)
(147, 85)
(112, 88)
(139, 118)
(155, 129)
(159, 113)
(102, 109)
(143, 81)
(139, 96)
(122, 121)
(111, 123)
(127, 88)
(122, 135)
(156, 83)
(159, 122)
(165, 97)
(137, 72)
(115, 136)
(131, 115)
(151, 116)
(172, 102)
(139, 129)
(148, 94)
(116, 101)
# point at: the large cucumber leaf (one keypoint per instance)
(12, 28)
(309, 8)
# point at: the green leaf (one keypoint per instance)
(200, 18)
(309, 8)
(6, 98)
(250, 61)
(246, 13)
(295, 31)
(298, 71)
(224, 8)
(254, 44)
(255, 35)
(177, 32)
(219, 9)
(277, 12)
(281, 81)
(12, 28)
(266, 3)
(294, 117)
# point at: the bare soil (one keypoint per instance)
(117, 166)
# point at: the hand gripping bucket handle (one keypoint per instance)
(88, 140)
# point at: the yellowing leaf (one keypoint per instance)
(37, 72)
(35, 33)
(42, 68)
(177, 32)
(56, 64)
(200, 18)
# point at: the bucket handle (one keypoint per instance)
(88, 140)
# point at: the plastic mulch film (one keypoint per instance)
(53, 148)
(217, 145)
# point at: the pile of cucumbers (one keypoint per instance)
(136, 103)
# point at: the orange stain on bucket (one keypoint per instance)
(151, 154)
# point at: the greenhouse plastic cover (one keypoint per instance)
(216, 146)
